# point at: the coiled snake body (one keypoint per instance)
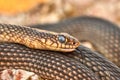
(81, 64)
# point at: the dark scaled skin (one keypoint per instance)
(102, 67)
(47, 64)
(82, 64)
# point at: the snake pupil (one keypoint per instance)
(61, 39)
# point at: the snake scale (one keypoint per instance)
(80, 64)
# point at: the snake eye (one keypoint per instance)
(61, 38)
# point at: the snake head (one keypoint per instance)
(56, 42)
(66, 42)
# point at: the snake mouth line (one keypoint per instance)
(66, 50)
(56, 48)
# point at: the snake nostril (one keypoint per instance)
(74, 43)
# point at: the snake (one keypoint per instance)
(58, 56)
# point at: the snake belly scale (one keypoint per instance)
(81, 64)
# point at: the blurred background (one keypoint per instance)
(26, 12)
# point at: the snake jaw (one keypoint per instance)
(66, 50)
